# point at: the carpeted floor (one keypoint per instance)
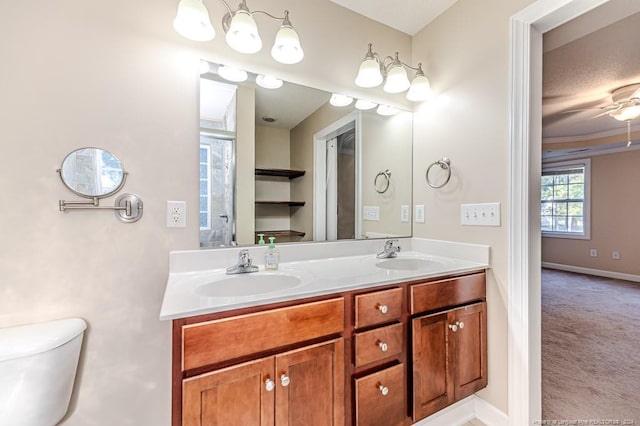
(590, 349)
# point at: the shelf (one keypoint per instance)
(288, 233)
(291, 174)
(282, 203)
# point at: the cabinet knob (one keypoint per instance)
(461, 325)
(453, 327)
(383, 389)
(284, 380)
(269, 385)
(383, 346)
(382, 308)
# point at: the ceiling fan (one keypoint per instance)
(625, 106)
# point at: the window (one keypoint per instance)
(565, 199)
(205, 187)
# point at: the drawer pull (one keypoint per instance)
(269, 385)
(461, 325)
(383, 389)
(453, 327)
(284, 380)
(382, 308)
(383, 346)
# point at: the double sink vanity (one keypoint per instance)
(327, 340)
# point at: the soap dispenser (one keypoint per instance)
(261, 239)
(272, 258)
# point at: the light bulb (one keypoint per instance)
(340, 100)
(269, 82)
(626, 113)
(192, 21)
(286, 48)
(397, 80)
(232, 74)
(420, 89)
(363, 104)
(369, 74)
(242, 35)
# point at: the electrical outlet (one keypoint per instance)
(176, 214)
(615, 255)
(420, 213)
(404, 213)
(593, 252)
(486, 214)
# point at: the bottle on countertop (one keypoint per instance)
(261, 239)
(272, 257)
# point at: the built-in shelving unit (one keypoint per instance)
(280, 235)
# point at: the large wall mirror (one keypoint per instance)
(280, 159)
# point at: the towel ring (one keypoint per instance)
(445, 164)
(387, 180)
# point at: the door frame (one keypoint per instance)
(320, 139)
(524, 262)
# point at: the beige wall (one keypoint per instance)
(614, 219)
(245, 166)
(116, 75)
(465, 53)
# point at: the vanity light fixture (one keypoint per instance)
(364, 104)
(386, 110)
(374, 70)
(192, 22)
(268, 81)
(340, 100)
(230, 73)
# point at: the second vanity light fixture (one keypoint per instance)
(192, 22)
(374, 70)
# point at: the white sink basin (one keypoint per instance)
(405, 264)
(248, 285)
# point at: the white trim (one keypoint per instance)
(472, 407)
(589, 271)
(525, 139)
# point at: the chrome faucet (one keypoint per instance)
(391, 249)
(244, 265)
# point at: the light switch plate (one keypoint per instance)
(404, 213)
(371, 213)
(485, 214)
(420, 213)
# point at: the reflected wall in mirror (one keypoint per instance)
(92, 173)
(285, 162)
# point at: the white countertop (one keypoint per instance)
(191, 286)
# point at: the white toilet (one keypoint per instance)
(38, 365)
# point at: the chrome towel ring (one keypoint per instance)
(386, 175)
(445, 164)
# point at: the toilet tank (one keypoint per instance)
(38, 365)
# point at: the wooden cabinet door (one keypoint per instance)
(310, 385)
(432, 382)
(234, 396)
(469, 349)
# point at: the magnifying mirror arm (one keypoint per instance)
(128, 207)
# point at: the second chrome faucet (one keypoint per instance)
(391, 249)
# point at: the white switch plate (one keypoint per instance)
(593, 252)
(176, 214)
(420, 213)
(615, 255)
(371, 213)
(404, 213)
(485, 214)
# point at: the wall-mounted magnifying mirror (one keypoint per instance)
(95, 173)
(286, 160)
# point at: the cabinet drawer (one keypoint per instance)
(228, 338)
(377, 344)
(380, 397)
(378, 307)
(454, 291)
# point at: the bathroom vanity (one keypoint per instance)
(361, 340)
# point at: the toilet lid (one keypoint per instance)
(29, 339)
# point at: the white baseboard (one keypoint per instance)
(463, 411)
(589, 271)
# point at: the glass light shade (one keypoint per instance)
(340, 100)
(386, 110)
(269, 82)
(626, 113)
(397, 80)
(420, 89)
(192, 21)
(369, 74)
(243, 34)
(286, 48)
(232, 74)
(363, 104)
